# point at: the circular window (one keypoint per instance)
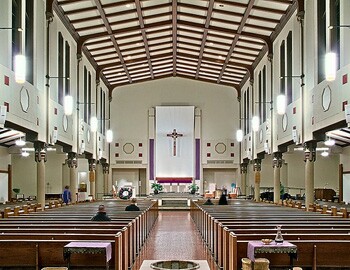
(65, 123)
(128, 148)
(220, 148)
(24, 99)
(284, 122)
(326, 98)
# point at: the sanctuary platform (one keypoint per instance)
(174, 200)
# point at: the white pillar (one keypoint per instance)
(92, 177)
(309, 158)
(244, 167)
(277, 164)
(40, 158)
(257, 169)
(72, 165)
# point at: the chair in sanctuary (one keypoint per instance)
(246, 264)
(261, 264)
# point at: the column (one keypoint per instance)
(277, 164)
(309, 158)
(72, 163)
(151, 147)
(92, 176)
(257, 170)
(244, 167)
(40, 159)
(197, 136)
(105, 171)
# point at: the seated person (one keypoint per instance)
(132, 206)
(223, 200)
(208, 202)
(101, 214)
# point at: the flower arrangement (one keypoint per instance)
(156, 188)
(193, 188)
(125, 193)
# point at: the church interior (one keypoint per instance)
(175, 103)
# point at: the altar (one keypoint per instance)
(175, 184)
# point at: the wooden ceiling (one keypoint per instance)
(8, 137)
(217, 41)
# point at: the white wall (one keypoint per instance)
(130, 104)
(293, 172)
(5, 158)
(221, 177)
(24, 173)
(344, 158)
(124, 176)
(326, 171)
(54, 172)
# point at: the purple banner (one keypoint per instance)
(198, 159)
(151, 159)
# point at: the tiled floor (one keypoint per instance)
(174, 237)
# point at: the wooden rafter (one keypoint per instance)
(109, 30)
(174, 17)
(212, 41)
(235, 40)
(144, 37)
(205, 34)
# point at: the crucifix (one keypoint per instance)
(174, 135)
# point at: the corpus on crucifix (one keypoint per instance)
(174, 135)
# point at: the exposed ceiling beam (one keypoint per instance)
(79, 11)
(128, 30)
(205, 33)
(235, 40)
(144, 37)
(114, 41)
(174, 17)
(263, 38)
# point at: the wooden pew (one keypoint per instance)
(213, 227)
(34, 229)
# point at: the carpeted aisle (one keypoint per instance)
(174, 237)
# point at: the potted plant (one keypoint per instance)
(193, 188)
(157, 188)
(16, 191)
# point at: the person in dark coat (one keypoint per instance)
(101, 214)
(132, 206)
(223, 200)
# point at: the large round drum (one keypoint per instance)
(185, 265)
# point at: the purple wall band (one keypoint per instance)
(151, 159)
(198, 159)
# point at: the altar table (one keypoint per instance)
(257, 247)
(88, 248)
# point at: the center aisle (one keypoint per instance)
(174, 237)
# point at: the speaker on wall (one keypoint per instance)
(249, 154)
(54, 136)
(347, 114)
(3, 112)
(82, 147)
(295, 136)
(266, 148)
